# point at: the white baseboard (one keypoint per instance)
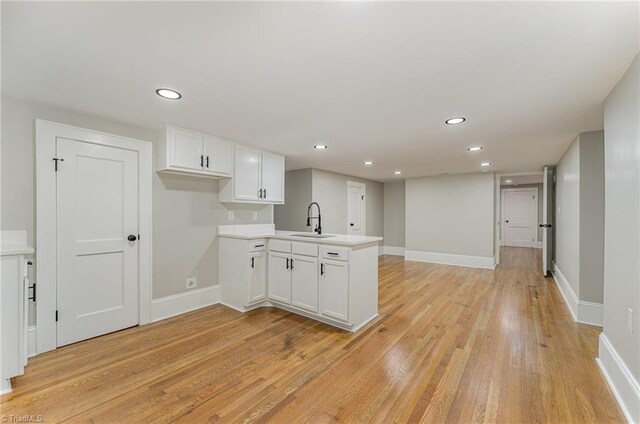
(5, 386)
(392, 250)
(171, 306)
(450, 259)
(380, 250)
(582, 311)
(539, 245)
(624, 386)
(31, 341)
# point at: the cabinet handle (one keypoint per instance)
(260, 194)
(201, 161)
(287, 263)
(291, 264)
(264, 193)
(332, 253)
(321, 269)
(258, 245)
(253, 262)
(207, 161)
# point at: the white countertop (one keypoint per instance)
(248, 232)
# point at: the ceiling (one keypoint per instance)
(372, 80)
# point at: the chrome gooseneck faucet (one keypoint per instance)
(318, 228)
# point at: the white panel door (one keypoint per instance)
(258, 277)
(186, 150)
(97, 210)
(247, 174)
(547, 219)
(279, 280)
(218, 156)
(520, 218)
(355, 209)
(304, 282)
(273, 177)
(334, 289)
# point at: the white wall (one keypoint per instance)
(567, 222)
(330, 191)
(186, 210)
(622, 218)
(451, 214)
(394, 214)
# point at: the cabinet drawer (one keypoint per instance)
(257, 245)
(337, 253)
(306, 249)
(280, 246)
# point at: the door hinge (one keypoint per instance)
(56, 315)
(55, 161)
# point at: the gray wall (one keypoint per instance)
(567, 220)
(592, 216)
(330, 191)
(451, 214)
(622, 216)
(394, 214)
(580, 216)
(297, 195)
(186, 210)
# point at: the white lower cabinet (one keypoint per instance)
(334, 284)
(304, 283)
(334, 289)
(258, 277)
(279, 277)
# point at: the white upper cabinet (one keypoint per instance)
(258, 177)
(246, 178)
(190, 152)
(272, 177)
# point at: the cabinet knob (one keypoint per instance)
(132, 237)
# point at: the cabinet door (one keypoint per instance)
(273, 177)
(304, 283)
(246, 174)
(258, 277)
(186, 149)
(334, 289)
(218, 156)
(279, 278)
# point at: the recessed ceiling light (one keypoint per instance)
(454, 121)
(485, 164)
(320, 146)
(474, 148)
(367, 162)
(508, 181)
(398, 172)
(168, 93)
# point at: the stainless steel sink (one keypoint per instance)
(312, 235)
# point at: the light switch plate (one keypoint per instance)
(255, 215)
(231, 216)
(630, 320)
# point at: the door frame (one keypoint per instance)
(497, 209)
(503, 205)
(364, 205)
(47, 133)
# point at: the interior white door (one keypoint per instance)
(186, 150)
(334, 289)
(97, 259)
(279, 280)
(218, 156)
(547, 219)
(258, 277)
(355, 208)
(520, 217)
(273, 177)
(247, 174)
(304, 283)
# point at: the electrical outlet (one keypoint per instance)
(191, 283)
(255, 215)
(630, 320)
(231, 216)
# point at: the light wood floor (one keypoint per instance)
(451, 344)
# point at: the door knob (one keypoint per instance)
(352, 224)
(132, 237)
